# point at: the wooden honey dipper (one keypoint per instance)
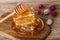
(18, 9)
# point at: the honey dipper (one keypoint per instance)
(18, 9)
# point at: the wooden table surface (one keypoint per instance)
(55, 33)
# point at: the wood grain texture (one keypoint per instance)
(13, 1)
(55, 33)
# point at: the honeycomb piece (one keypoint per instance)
(25, 18)
(27, 23)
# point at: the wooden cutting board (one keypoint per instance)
(6, 27)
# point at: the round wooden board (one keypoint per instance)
(6, 27)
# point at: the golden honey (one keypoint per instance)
(27, 23)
